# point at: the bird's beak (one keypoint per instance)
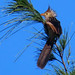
(43, 14)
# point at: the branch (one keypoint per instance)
(61, 56)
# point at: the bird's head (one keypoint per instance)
(49, 13)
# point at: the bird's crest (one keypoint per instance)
(48, 10)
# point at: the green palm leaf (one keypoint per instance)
(21, 10)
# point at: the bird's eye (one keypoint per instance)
(46, 13)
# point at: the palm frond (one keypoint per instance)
(25, 12)
(25, 7)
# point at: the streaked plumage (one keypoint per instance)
(53, 30)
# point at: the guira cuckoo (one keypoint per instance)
(53, 30)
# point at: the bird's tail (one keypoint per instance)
(44, 56)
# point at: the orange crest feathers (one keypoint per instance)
(48, 10)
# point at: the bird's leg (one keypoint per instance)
(52, 27)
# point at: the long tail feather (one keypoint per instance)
(44, 56)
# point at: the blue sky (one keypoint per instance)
(26, 64)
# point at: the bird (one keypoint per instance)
(53, 31)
